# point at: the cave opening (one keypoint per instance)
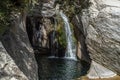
(50, 47)
(43, 37)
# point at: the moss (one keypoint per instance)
(61, 34)
(72, 29)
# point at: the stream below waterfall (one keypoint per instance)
(60, 68)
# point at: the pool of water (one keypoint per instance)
(60, 68)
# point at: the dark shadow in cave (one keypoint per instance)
(80, 36)
(36, 29)
(29, 28)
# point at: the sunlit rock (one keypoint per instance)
(99, 71)
(101, 23)
(8, 68)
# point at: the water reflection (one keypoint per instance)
(60, 69)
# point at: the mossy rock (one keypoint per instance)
(61, 34)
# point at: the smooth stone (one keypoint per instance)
(99, 71)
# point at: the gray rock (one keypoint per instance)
(98, 71)
(17, 45)
(44, 9)
(8, 68)
(101, 23)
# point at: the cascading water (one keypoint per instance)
(70, 51)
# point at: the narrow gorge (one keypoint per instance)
(60, 40)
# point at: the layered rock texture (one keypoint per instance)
(17, 62)
(44, 8)
(101, 25)
(96, 28)
(8, 68)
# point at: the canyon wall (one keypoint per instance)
(96, 28)
(17, 60)
(101, 26)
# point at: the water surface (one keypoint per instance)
(60, 68)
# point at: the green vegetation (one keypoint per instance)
(61, 34)
(8, 6)
(4, 12)
(72, 7)
(72, 29)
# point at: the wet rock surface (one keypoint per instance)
(42, 28)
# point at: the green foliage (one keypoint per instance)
(72, 7)
(72, 29)
(61, 36)
(8, 6)
(4, 14)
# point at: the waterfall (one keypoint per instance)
(70, 51)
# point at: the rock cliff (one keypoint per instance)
(8, 68)
(21, 63)
(17, 60)
(101, 25)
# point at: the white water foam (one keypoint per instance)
(70, 51)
